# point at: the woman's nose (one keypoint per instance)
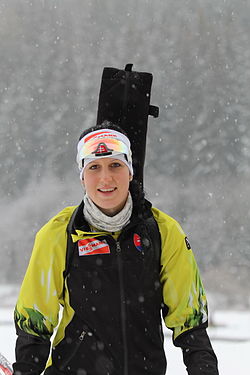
(106, 175)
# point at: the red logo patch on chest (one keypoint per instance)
(92, 246)
(137, 242)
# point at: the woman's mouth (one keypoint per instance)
(107, 190)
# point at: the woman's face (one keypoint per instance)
(106, 181)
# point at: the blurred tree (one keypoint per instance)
(197, 165)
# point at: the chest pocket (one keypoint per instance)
(141, 262)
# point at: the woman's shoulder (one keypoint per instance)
(64, 215)
(162, 217)
(166, 221)
(59, 221)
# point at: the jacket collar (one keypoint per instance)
(80, 228)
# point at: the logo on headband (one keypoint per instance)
(102, 150)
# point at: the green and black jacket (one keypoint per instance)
(113, 299)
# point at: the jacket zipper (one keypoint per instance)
(76, 347)
(123, 307)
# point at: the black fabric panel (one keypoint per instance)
(198, 354)
(31, 354)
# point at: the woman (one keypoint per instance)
(113, 277)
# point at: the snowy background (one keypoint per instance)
(198, 152)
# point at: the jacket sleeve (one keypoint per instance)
(31, 353)
(41, 293)
(198, 354)
(185, 305)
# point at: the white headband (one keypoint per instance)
(104, 143)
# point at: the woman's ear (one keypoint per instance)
(81, 176)
(82, 179)
(130, 177)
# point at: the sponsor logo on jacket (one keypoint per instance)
(92, 246)
(137, 242)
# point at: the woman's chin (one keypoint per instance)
(110, 209)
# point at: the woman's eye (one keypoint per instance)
(115, 165)
(93, 166)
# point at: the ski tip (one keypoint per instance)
(5, 366)
(5, 370)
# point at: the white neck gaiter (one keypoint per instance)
(99, 220)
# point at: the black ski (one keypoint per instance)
(124, 99)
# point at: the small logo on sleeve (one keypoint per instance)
(92, 246)
(187, 243)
